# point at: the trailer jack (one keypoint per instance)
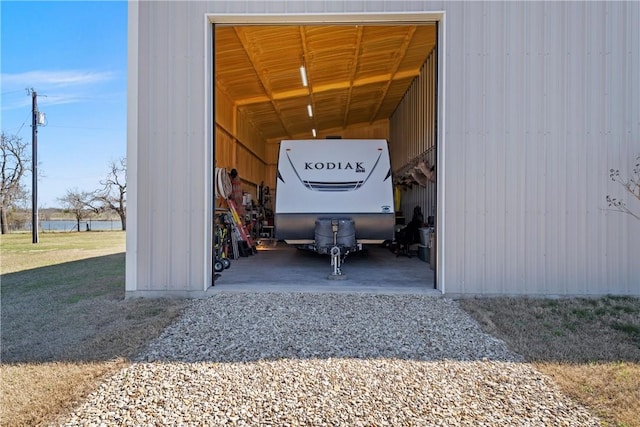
(336, 274)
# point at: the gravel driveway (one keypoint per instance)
(328, 359)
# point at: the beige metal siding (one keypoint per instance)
(132, 267)
(541, 100)
(173, 155)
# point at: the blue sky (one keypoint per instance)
(74, 55)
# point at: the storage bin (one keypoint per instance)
(423, 253)
(424, 236)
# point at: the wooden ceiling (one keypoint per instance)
(357, 74)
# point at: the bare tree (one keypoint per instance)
(79, 203)
(113, 195)
(631, 185)
(12, 167)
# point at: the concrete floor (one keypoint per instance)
(278, 267)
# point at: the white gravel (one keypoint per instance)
(328, 359)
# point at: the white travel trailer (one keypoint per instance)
(344, 180)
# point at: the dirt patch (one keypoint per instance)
(610, 389)
(35, 393)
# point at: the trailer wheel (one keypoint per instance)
(226, 263)
(217, 266)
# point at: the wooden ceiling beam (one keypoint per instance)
(257, 70)
(305, 55)
(246, 45)
(354, 69)
(341, 85)
(403, 51)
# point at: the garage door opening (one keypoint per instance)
(315, 82)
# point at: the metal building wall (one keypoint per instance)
(541, 99)
(168, 246)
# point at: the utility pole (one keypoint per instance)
(34, 167)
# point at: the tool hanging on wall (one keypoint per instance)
(223, 184)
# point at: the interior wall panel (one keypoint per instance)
(249, 135)
(272, 149)
(224, 110)
(225, 147)
(239, 145)
(412, 139)
(271, 171)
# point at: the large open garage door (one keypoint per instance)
(353, 80)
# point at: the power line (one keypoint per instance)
(23, 123)
(12, 92)
(80, 127)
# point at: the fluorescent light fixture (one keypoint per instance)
(313, 132)
(309, 110)
(303, 75)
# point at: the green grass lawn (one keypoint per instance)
(17, 253)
